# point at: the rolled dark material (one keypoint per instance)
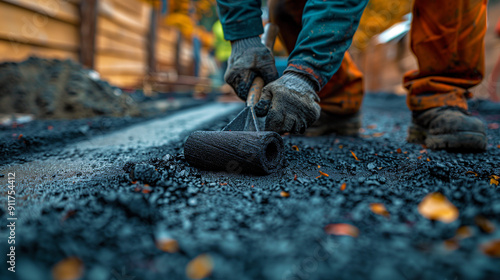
(235, 151)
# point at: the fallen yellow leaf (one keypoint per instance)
(284, 194)
(436, 206)
(494, 179)
(295, 148)
(200, 267)
(68, 269)
(342, 229)
(342, 187)
(379, 209)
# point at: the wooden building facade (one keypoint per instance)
(124, 40)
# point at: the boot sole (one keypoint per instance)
(464, 140)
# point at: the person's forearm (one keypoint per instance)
(327, 31)
(240, 19)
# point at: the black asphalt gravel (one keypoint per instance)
(261, 227)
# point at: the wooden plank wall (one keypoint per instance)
(46, 28)
(51, 29)
(121, 41)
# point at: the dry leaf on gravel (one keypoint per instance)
(493, 125)
(284, 194)
(168, 245)
(379, 209)
(471, 172)
(323, 173)
(68, 269)
(494, 180)
(295, 148)
(451, 244)
(484, 224)
(463, 232)
(354, 155)
(200, 267)
(342, 187)
(436, 206)
(491, 248)
(342, 229)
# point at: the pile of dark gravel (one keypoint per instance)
(59, 89)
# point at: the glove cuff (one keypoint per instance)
(299, 83)
(296, 78)
(242, 45)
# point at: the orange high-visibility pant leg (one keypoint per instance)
(343, 94)
(447, 37)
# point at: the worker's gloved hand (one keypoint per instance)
(290, 104)
(249, 59)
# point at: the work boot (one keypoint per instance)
(328, 123)
(447, 128)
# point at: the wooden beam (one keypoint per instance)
(60, 10)
(116, 65)
(152, 39)
(114, 30)
(120, 48)
(123, 80)
(13, 51)
(88, 22)
(107, 9)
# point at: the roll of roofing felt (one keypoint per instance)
(235, 151)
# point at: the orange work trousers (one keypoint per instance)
(447, 38)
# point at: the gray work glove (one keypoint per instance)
(290, 104)
(249, 59)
